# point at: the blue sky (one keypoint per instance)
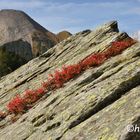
(78, 15)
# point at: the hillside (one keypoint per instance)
(98, 97)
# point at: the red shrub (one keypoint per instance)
(68, 72)
(45, 85)
(93, 60)
(57, 79)
(117, 47)
(20, 104)
(96, 59)
(32, 96)
(16, 105)
(40, 91)
(29, 96)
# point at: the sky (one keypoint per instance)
(78, 15)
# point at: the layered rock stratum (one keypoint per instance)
(98, 104)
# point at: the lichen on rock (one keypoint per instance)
(97, 104)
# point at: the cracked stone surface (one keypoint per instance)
(96, 105)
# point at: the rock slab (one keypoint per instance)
(99, 104)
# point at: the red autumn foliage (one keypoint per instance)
(16, 105)
(93, 60)
(117, 47)
(59, 77)
(29, 96)
(45, 85)
(96, 59)
(40, 91)
(67, 73)
(20, 104)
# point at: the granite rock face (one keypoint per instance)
(99, 104)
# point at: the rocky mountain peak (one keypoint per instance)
(22, 39)
(136, 35)
(15, 24)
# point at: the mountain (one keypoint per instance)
(17, 25)
(21, 39)
(85, 87)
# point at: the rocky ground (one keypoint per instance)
(96, 105)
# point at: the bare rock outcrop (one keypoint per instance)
(98, 104)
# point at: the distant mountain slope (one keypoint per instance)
(17, 25)
(21, 39)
